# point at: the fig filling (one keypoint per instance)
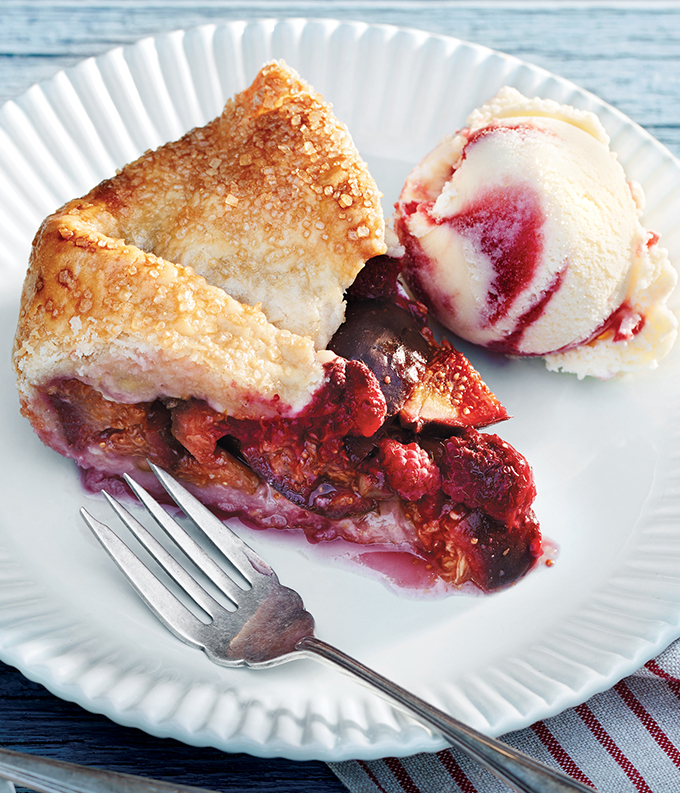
(388, 453)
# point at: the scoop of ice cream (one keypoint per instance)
(523, 235)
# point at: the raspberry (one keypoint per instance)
(349, 402)
(363, 401)
(409, 470)
(483, 472)
(306, 458)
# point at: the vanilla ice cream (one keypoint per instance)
(523, 235)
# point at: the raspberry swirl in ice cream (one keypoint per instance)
(523, 236)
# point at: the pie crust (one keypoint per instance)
(213, 267)
(189, 312)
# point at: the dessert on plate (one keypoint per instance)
(522, 235)
(226, 307)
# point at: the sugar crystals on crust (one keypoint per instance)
(213, 267)
(270, 201)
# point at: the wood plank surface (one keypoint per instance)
(34, 721)
(628, 53)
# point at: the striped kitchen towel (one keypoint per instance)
(625, 740)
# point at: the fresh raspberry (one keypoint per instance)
(483, 472)
(409, 469)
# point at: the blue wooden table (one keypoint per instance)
(628, 53)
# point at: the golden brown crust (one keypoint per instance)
(270, 201)
(137, 327)
(126, 287)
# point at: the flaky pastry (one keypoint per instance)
(190, 312)
(213, 267)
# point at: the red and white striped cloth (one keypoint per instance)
(625, 740)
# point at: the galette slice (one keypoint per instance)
(190, 311)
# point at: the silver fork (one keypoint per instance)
(267, 624)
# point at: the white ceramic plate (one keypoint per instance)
(605, 454)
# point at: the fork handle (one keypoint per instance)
(520, 772)
(47, 775)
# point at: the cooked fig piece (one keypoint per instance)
(389, 341)
(450, 394)
(376, 280)
(485, 552)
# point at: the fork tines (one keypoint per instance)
(156, 594)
